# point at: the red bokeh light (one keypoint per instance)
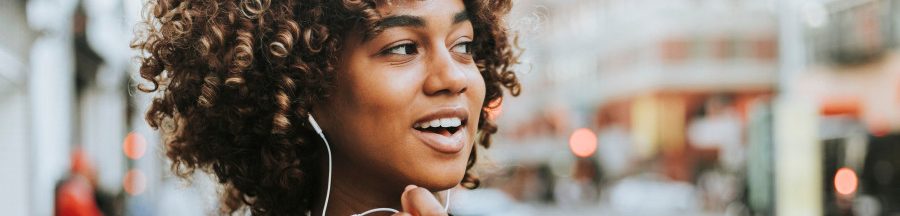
(879, 127)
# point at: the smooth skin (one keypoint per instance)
(419, 64)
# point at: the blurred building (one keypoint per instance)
(66, 84)
(15, 162)
(760, 91)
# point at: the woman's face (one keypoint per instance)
(407, 100)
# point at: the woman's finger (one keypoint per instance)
(420, 202)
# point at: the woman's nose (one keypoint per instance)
(445, 75)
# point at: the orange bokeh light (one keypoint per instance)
(135, 182)
(845, 181)
(583, 142)
(494, 108)
(134, 146)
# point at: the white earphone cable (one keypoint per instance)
(447, 202)
(328, 148)
(376, 210)
(328, 190)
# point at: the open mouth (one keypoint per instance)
(444, 130)
(442, 126)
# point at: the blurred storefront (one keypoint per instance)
(853, 77)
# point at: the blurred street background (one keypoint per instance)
(629, 107)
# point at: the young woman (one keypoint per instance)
(400, 89)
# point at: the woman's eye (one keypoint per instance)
(463, 48)
(403, 49)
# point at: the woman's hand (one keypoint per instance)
(418, 201)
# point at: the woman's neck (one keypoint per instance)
(354, 191)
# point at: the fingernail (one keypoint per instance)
(410, 187)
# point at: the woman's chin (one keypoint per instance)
(439, 186)
(438, 181)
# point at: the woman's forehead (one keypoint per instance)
(418, 7)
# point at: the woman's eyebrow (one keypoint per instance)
(401, 21)
(460, 17)
(412, 21)
(415, 21)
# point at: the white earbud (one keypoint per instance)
(318, 130)
(316, 126)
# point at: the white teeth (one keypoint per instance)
(435, 123)
(442, 122)
(451, 122)
(445, 122)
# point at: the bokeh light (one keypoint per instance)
(494, 108)
(879, 127)
(845, 181)
(583, 142)
(135, 182)
(135, 145)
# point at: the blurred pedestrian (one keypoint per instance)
(75, 194)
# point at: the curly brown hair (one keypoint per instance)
(234, 82)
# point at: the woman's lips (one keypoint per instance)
(450, 135)
(448, 144)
